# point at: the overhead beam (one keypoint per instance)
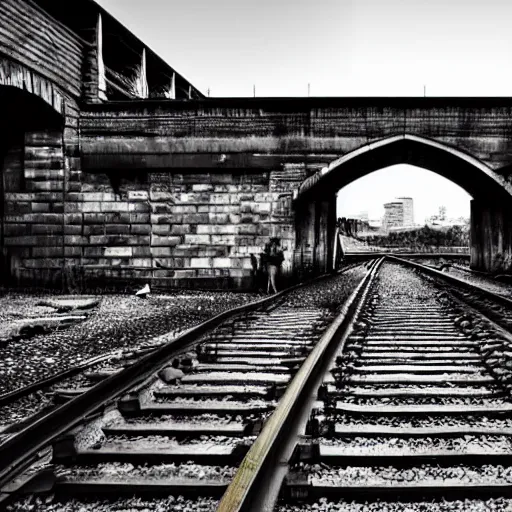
(174, 161)
(102, 81)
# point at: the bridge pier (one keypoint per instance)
(315, 226)
(491, 237)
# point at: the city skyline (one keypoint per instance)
(364, 215)
(428, 190)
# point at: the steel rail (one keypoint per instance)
(24, 446)
(504, 332)
(252, 478)
(247, 487)
(504, 301)
(426, 255)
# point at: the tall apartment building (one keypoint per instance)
(408, 210)
(398, 214)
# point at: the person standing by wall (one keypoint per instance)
(274, 258)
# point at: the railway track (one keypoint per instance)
(29, 403)
(403, 411)
(401, 404)
(185, 428)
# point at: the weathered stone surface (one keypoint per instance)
(172, 197)
(118, 251)
(138, 195)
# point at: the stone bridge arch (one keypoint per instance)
(20, 77)
(491, 207)
(32, 181)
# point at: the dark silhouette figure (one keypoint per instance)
(273, 257)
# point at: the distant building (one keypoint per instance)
(441, 220)
(408, 210)
(398, 214)
(360, 216)
(393, 215)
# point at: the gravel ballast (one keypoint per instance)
(311, 307)
(169, 504)
(394, 390)
(423, 474)
(124, 471)
(122, 321)
(119, 321)
(425, 421)
(468, 505)
(417, 446)
(164, 442)
(488, 283)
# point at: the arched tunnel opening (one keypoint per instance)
(403, 208)
(30, 149)
(490, 236)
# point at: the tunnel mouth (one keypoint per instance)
(490, 246)
(31, 154)
(23, 110)
(478, 180)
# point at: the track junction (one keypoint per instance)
(383, 387)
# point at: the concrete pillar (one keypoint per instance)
(324, 227)
(304, 238)
(491, 237)
(315, 225)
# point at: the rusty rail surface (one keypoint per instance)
(24, 446)
(246, 484)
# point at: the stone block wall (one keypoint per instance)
(177, 229)
(491, 237)
(33, 221)
(41, 172)
(183, 228)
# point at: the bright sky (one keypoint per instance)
(340, 47)
(428, 190)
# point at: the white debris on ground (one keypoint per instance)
(143, 292)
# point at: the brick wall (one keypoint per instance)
(173, 229)
(33, 207)
(180, 229)
(41, 172)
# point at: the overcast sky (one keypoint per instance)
(340, 47)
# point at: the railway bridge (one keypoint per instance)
(115, 167)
